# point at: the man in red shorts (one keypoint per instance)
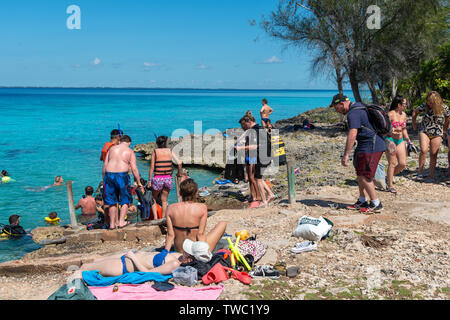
(368, 152)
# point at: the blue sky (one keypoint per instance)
(152, 43)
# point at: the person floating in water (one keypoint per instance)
(5, 177)
(13, 230)
(59, 181)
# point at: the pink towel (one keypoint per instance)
(146, 292)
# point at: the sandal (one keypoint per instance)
(392, 190)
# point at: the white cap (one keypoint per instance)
(198, 249)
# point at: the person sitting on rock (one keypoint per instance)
(144, 261)
(187, 220)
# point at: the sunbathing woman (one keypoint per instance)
(187, 220)
(431, 131)
(397, 159)
(144, 261)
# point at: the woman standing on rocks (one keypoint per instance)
(397, 159)
(161, 166)
(431, 131)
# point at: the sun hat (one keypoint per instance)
(198, 249)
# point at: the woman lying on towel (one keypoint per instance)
(143, 261)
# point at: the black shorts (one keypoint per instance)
(258, 174)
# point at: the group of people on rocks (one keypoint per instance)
(433, 130)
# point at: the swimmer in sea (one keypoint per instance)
(59, 181)
(5, 177)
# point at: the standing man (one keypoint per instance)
(116, 179)
(115, 140)
(368, 152)
(255, 158)
(265, 112)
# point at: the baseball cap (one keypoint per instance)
(338, 99)
(198, 249)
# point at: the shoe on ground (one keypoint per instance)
(304, 247)
(358, 205)
(265, 272)
(372, 208)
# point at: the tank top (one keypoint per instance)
(162, 167)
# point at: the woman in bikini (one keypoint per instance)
(187, 220)
(431, 131)
(144, 261)
(397, 159)
(161, 166)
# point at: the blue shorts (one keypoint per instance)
(116, 188)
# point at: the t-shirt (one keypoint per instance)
(357, 119)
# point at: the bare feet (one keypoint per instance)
(271, 198)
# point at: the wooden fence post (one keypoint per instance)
(73, 219)
(291, 182)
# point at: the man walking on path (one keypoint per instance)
(117, 181)
(367, 154)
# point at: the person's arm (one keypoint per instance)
(414, 116)
(105, 163)
(134, 169)
(170, 237)
(405, 132)
(150, 170)
(177, 162)
(78, 206)
(270, 110)
(201, 236)
(351, 138)
(139, 266)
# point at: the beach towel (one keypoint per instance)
(146, 292)
(94, 278)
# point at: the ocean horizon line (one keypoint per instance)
(163, 88)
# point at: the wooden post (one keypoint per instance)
(177, 185)
(291, 182)
(73, 219)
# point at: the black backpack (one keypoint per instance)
(378, 118)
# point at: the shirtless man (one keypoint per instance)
(187, 220)
(87, 203)
(265, 112)
(116, 179)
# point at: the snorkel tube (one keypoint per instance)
(120, 131)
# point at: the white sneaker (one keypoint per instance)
(304, 247)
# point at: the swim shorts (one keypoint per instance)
(366, 163)
(265, 119)
(160, 182)
(116, 188)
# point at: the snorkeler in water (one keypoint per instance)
(59, 181)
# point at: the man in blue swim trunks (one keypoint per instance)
(117, 181)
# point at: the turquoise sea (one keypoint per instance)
(49, 132)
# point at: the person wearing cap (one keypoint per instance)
(14, 229)
(187, 220)
(367, 153)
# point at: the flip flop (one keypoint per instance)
(392, 190)
(242, 276)
(254, 204)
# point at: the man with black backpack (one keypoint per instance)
(369, 150)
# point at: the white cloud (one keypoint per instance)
(96, 61)
(149, 65)
(201, 66)
(272, 60)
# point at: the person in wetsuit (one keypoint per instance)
(14, 229)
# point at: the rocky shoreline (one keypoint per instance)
(400, 254)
